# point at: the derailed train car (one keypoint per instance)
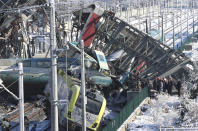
(135, 52)
(71, 110)
(36, 72)
(97, 69)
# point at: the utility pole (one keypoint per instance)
(173, 20)
(162, 28)
(187, 24)
(139, 14)
(131, 10)
(21, 97)
(143, 7)
(153, 9)
(147, 26)
(177, 4)
(177, 13)
(127, 11)
(149, 15)
(197, 18)
(120, 9)
(193, 17)
(196, 24)
(159, 13)
(167, 5)
(165, 19)
(54, 90)
(83, 100)
(181, 26)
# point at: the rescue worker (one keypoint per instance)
(155, 84)
(158, 84)
(5, 125)
(179, 85)
(161, 85)
(165, 85)
(149, 83)
(26, 123)
(34, 127)
(170, 85)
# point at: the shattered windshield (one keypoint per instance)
(93, 106)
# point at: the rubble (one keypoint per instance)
(35, 111)
(20, 27)
(118, 57)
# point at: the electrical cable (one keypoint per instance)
(10, 85)
(14, 10)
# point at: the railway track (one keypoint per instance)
(33, 111)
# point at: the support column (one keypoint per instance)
(83, 100)
(193, 17)
(139, 15)
(187, 25)
(21, 97)
(54, 90)
(162, 28)
(181, 29)
(159, 13)
(173, 20)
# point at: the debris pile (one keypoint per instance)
(190, 87)
(35, 111)
(188, 113)
(119, 59)
(21, 26)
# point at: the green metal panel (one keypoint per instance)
(127, 110)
